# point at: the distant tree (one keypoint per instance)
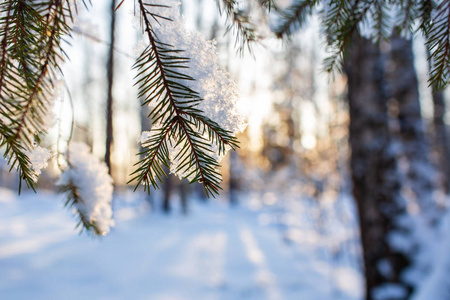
(376, 179)
(109, 94)
(403, 90)
(440, 135)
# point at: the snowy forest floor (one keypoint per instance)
(215, 252)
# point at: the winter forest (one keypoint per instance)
(227, 149)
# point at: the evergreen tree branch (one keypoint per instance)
(156, 154)
(294, 17)
(340, 21)
(425, 9)
(16, 78)
(408, 15)
(31, 34)
(178, 125)
(73, 200)
(438, 41)
(380, 12)
(269, 4)
(240, 24)
(4, 31)
(15, 155)
(215, 133)
(32, 112)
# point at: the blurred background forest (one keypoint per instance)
(292, 173)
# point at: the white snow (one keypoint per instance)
(49, 117)
(390, 291)
(213, 253)
(38, 157)
(143, 137)
(94, 186)
(436, 285)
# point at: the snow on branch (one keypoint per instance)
(89, 188)
(194, 104)
(38, 159)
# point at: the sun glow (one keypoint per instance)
(308, 141)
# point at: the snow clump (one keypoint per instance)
(218, 91)
(93, 184)
(38, 159)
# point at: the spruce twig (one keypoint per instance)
(31, 34)
(178, 123)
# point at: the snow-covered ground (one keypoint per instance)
(215, 252)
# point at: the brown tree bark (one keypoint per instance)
(184, 191)
(440, 134)
(110, 76)
(403, 91)
(233, 181)
(167, 190)
(441, 139)
(376, 184)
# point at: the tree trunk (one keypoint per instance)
(233, 181)
(441, 140)
(440, 134)
(87, 88)
(110, 76)
(404, 92)
(167, 188)
(184, 191)
(376, 184)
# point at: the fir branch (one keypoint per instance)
(156, 154)
(31, 34)
(408, 14)
(240, 24)
(178, 125)
(380, 12)
(15, 156)
(269, 4)
(73, 200)
(89, 189)
(16, 77)
(438, 41)
(294, 17)
(425, 9)
(32, 110)
(340, 21)
(4, 63)
(215, 133)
